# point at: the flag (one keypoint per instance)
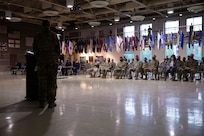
(162, 41)
(119, 44)
(111, 42)
(200, 37)
(182, 39)
(158, 40)
(106, 44)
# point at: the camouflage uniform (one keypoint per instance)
(104, 68)
(162, 68)
(94, 69)
(47, 50)
(138, 68)
(145, 68)
(154, 64)
(120, 69)
(180, 68)
(130, 69)
(192, 67)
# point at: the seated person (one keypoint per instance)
(153, 67)
(145, 68)
(76, 67)
(171, 67)
(120, 69)
(94, 69)
(66, 67)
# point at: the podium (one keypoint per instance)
(31, 77)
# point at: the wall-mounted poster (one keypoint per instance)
(3, 46)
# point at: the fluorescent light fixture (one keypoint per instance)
(116, 19)
(8, 15)
(70, 3)
(171, 11)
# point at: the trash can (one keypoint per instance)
(31, 77)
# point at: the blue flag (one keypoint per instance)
(182, 40)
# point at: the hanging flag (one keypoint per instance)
(136, 42)
(70, 48)
(153, 39)
(111, 43)
(162, 41)
(200, 37)
(106, 44)
(119, 44)
(158, 40)
(182, 40)
(133, 43)
(178, 39)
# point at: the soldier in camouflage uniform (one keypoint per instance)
(145, 67)
(120, 69)
(105, 67)
(137, 67)
(47, 50)
(162, 68)
(94, 69)
(130, 69)
(154, 64)
(192, 66)
(180, 68)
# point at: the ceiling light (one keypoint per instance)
(99, 3)
(60, 26)
(180, 15)
(94, 23)
(70, 3)
(92, 26)
(171, 11)
(130, 21)
(15, 19)
(76, 28)
(195, 9)
(50, 13)
(116, 19)
(8, 15)
(110, 24)
(138, 18)
(153, 18)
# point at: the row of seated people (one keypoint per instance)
(184, 69)
(68, 68)
(97, 69)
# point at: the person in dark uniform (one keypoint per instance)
(47, 50)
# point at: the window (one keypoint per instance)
(196, 22)
(171, 27)
(146, 53)
(129, 31)
(196, 50)
(172, 51)
(144, 29)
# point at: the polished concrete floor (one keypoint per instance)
(104, 107)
